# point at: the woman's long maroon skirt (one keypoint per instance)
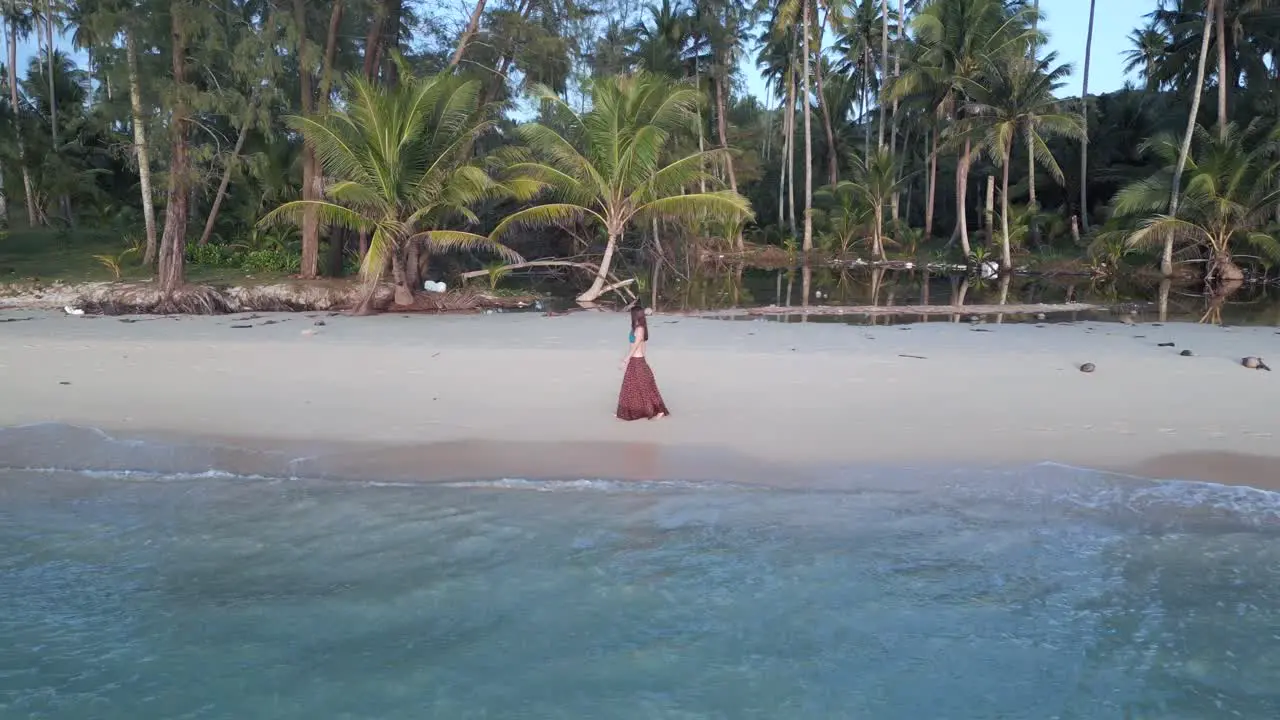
(640, 398)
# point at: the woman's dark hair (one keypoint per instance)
(638, 320)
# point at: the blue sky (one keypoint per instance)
(1066, 22)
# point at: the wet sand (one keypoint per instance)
(469, 397)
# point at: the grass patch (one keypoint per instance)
(75, 256)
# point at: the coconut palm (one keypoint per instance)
(608, 165)
(1166, 258)
(875, 180)
(1016, 100)
(959, 41)
(843, 216)
(398, 165)
(1149, 46)
(1228, 197)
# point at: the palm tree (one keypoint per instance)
(875, 180)
(1084, 112)
(18, 24)
(1017, 98)
(608, 166)
(1150, 44)
(1166, 257)
(844, 216)
(398, 165)
(1229, 197)
(806, 48)
(959, 41)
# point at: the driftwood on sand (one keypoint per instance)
(829, 310)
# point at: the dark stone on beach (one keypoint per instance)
(241, 327)
(1255, 363)
(1166, 345)
(64, 382)
(1088, 368)
(1185, 353)
(320, 323)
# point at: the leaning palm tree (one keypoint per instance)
(1228, 197)
(1017, 99)
(608, 165)
(398, 164)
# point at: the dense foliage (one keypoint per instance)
(384, 131)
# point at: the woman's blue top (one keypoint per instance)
(632, 336)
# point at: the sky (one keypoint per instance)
(1066, 21)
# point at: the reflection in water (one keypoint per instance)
(880, 287)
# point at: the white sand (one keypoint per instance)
(812, 392)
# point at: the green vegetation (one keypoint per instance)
(388, 136)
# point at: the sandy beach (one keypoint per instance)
(526, 395)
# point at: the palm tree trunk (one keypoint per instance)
(64, 202)
(782, 164)
(173, 245)
(373, 40)
(866, 103)
(1006, 259)
(884, 62)
(310, 217)
(722, 127)
(808, 139)
(833, 169)
(931, 193)
(1084, 113)
(1033, 226)
(222, 186)
(467, 34)
(1166, 258)
(1222, 69)
(53, 97)
(330, 53)
(791, 148)
(140, 146)
(989, 211)
(399, 278)
(893, 134)
(597, 286)
(962, 199)
(27, 189)
(877, 245)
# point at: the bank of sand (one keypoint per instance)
(526, 395)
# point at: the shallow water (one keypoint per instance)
(1050, 593)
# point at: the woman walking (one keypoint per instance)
(639, 397)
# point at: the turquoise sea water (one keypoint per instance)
(1048, 592)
